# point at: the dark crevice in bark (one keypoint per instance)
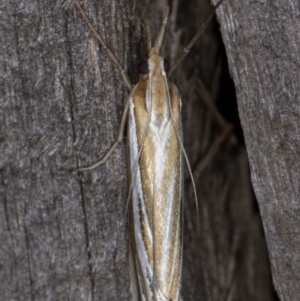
(29, 263)
(87, 239)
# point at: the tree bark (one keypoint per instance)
(62, 233)
(262, 43)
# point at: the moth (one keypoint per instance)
(155, 170)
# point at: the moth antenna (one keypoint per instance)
(147, 30)
(187, 49)
(184, 152)
(105, 47)
(162, 31)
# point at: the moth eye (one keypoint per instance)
(166, 65)
(144, 67)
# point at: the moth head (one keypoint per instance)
(144, 65)
(156, 65)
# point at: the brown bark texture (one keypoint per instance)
(262, 42)
(62, 233)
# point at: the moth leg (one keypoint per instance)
(210, 105)
(119, 138)
(187, 49)
(226, 128)
(105, 47)
(213, 150)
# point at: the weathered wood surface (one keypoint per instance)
(262, 41)
(61, 103)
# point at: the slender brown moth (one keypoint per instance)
(155, 161)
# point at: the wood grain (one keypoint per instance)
(62, 234)
(262, 44)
